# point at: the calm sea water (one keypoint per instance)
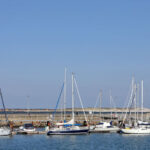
(76, 142)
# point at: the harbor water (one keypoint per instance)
(106, 141)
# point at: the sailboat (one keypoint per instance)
(27, 127)
(103, 126)
(4, 131)
(140, 127)
(67, 128)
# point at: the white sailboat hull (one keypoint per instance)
(5, 131)
(136, 131)
(68, 131)
(27, 128)
(104, 127)
(110, 129)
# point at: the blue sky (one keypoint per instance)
(104, 42)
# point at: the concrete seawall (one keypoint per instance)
(39, 117)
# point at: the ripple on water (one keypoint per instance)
(76, 142)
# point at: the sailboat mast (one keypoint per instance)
(130, 102)
(132, 95)
(138, 87)
(3, 105)
(75, 82)
(72, 96)
(142, 100)
(28, 107)
(65, 94)
(100, 103)
(135, 92)
(111, 104)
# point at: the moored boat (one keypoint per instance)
(4, 131)
(139, 127)
(136, 130)
(62, 130)
(104, 127)
(70, 127)
(28, 127)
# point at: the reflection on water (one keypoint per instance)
(6, 137)
(76, 142)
